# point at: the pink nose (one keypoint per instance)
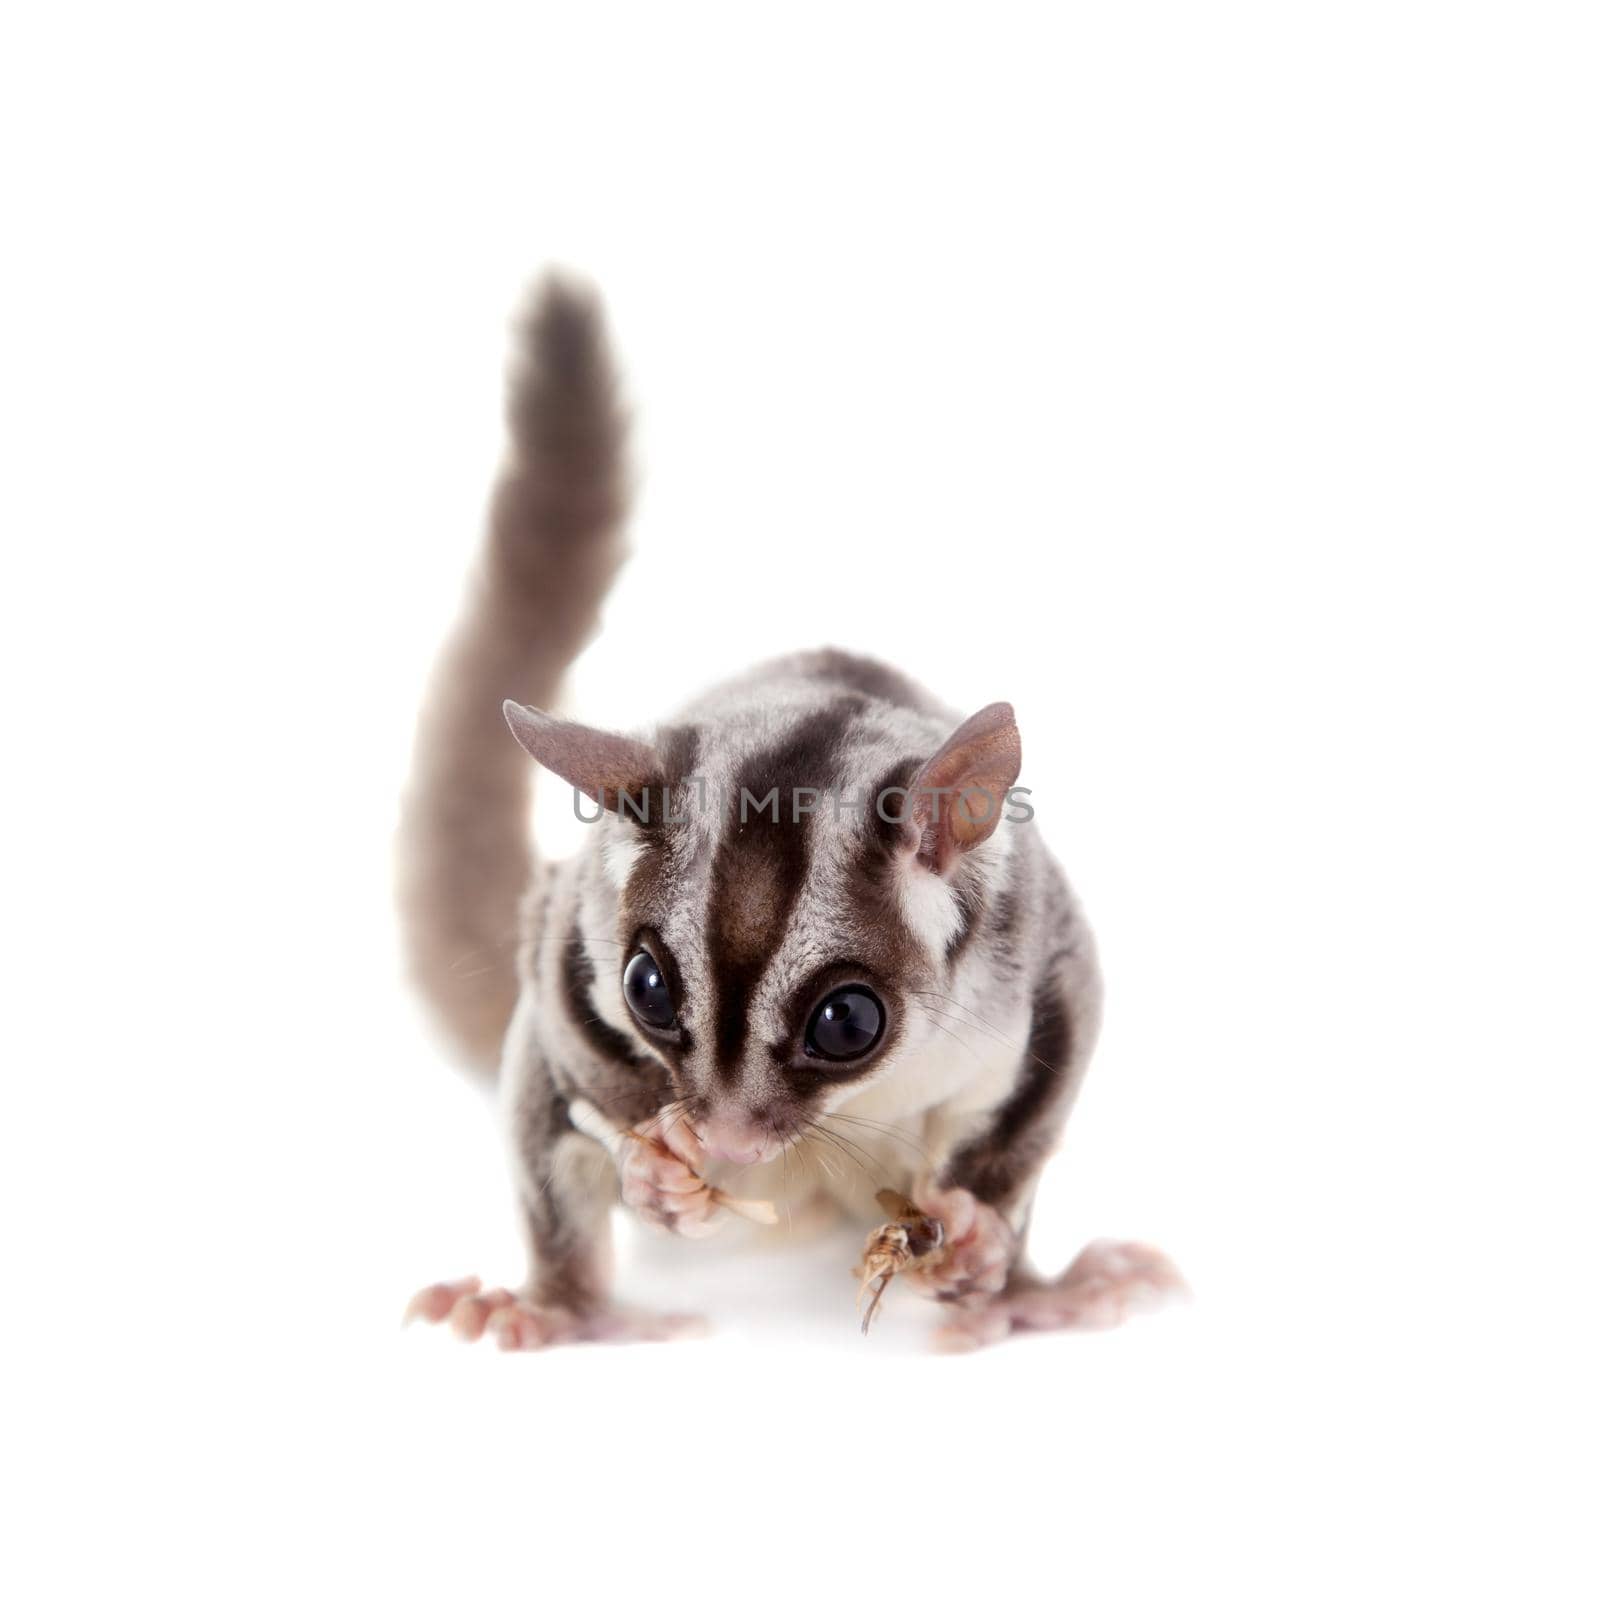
(728, 1140)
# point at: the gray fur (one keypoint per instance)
(986, 964)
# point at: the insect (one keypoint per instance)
(909, 1239)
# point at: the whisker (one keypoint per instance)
(822, 1160)
(973, 1019)
(866, 1155)
(993, 1032)
(880, 1128)
(930, 1015)
(838, 1144)
(496, 947)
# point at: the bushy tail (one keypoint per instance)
(554, 544)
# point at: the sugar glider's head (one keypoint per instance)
(792, 883)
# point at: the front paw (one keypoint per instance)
(658, 1169)
(979, 1246)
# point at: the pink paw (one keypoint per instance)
(979, 1246)
(517, 1323)
(1107, 1284)
(657, 1165)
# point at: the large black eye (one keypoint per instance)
(845, 1025)
(645, 990)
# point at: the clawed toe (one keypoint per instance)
(1112, 1279)
(470, 1315)
(520, 1326)
(438, 1300)
(515, 1323)
(1107, 1283)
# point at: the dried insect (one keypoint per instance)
(910, 1238)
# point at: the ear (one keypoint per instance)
(980, 761)
(605, 766)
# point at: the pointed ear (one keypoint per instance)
(605, 766)
(979, 761)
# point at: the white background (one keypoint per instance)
(1218, 383)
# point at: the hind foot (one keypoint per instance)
(1106, 1285)
(515, 1322)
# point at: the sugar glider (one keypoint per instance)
(811, 946)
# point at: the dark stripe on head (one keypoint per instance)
(886, 939)
(577, 994)
(645, 900)
(760, 865)
(680, 749)
(888, 809)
